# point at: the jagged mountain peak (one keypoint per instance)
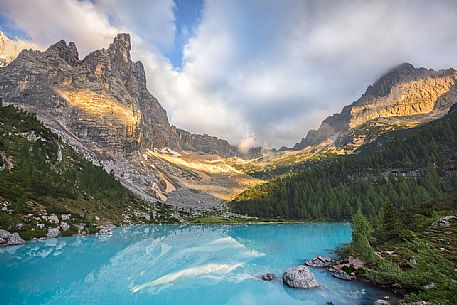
(68, 52)
(121, 42)
(102, 107)
(383, 85)
(403, 96)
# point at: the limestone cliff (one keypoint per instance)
(102, 98)
(405, 96)
(204, 143)
(100, 105)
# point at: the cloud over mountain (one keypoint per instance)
(256, 72)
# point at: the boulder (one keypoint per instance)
(381, 302)
(430, 286)
(7, 238)
(53, 233)
(340, 274)
(15, 239)
(268, 277)
(106, 229)
(299, 277)
(64, 226)
(443, 221)
(321, 262)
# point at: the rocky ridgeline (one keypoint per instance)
(204, 143)
(101, 106)
(404, 93)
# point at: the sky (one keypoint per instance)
(253, 72)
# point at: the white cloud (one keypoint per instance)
(257, 72)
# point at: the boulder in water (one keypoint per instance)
(299, 277)
(268, 277)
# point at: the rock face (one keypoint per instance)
(100, 105)
(204, 143)
(299, 277)
(102, 98)
(7, 238)
(404, 94)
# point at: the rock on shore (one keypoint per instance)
(299, 277)
(321, 262)
(340, 274)
(7, 238)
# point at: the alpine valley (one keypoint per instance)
(85, 147)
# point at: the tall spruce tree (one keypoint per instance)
(361, 236)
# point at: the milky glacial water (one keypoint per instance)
(178, 264)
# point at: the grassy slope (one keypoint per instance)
(35, 183)
(419, 255)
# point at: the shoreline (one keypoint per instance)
(394, 298)
(175, 224)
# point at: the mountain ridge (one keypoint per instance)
(101, 106)
(403, 92)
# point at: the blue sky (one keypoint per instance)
(187, 14)
(254, 72)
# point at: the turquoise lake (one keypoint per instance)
(178, 264)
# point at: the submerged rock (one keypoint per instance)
(381, 302)
(299, 277)
(321, 262)
(340, 274)
(7, 238)
(268, 277)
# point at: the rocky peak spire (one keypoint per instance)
(69, 52)
(120, 48)
(382, 87)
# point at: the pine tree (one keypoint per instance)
(361, 236)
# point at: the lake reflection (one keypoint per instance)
(171, 264)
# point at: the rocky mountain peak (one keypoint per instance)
(404, 95)
(67, 52)
(120, 48)
(383, 85)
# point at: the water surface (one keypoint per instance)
(172, 264)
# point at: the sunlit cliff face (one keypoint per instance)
(98, 105)
(407, 99)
